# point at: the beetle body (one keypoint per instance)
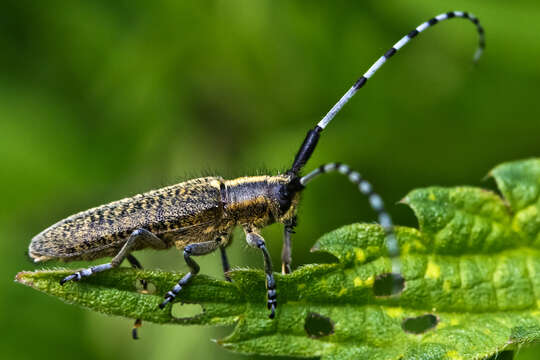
(194, 211)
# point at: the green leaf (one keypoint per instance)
(520, 185)
(472, 284)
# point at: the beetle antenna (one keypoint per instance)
(375, 201)
(310, 142)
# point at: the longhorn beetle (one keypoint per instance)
(199, 215)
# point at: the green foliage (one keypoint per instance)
(474, 265)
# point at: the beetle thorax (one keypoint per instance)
(258, 200)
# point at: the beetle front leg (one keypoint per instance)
(255, 239)
(196, 249)
(138, 236)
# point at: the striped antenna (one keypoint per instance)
(397, 46)
(375, 201)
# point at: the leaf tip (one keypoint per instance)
(404, 201)
(24, 278)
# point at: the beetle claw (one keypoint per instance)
(74, 277)
(166, 301)
(272, 311)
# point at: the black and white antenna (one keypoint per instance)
(310, 142)
(375, 201)
(312, 137)
(397, 46)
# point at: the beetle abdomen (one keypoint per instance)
(102, 230)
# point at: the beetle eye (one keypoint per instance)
(284, 198)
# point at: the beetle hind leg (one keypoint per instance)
(195, 249)
(136, 237)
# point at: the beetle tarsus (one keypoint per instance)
(168, 298)
(86, 272)
(134, 332)
(272, 311)
(75, 277)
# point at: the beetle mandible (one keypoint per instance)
(199, 215)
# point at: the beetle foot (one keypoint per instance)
(75, 277)
(86, 272)
(136, 325)
(168, 298)
(272, 303)
(272, 308)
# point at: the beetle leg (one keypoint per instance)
(195, 249)
(255, 239)
(136, 237)
(225, 263)
(137, 265)
(224, 259)
(286, 251)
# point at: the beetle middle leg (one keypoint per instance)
(137, 236)
(195, 249)
(255, 239)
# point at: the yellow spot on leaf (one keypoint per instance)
(418, 245)
(454, 322)
(432, 196)
(358, 282)
(343, 291)
(396, 312)
(453, 355)
(447, 286)
(360, 255)
(433, 270)
(369, 281)
(373, 249)
(406, 248)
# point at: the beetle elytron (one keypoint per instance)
(199, 215)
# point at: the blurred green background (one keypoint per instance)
(104, 99)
